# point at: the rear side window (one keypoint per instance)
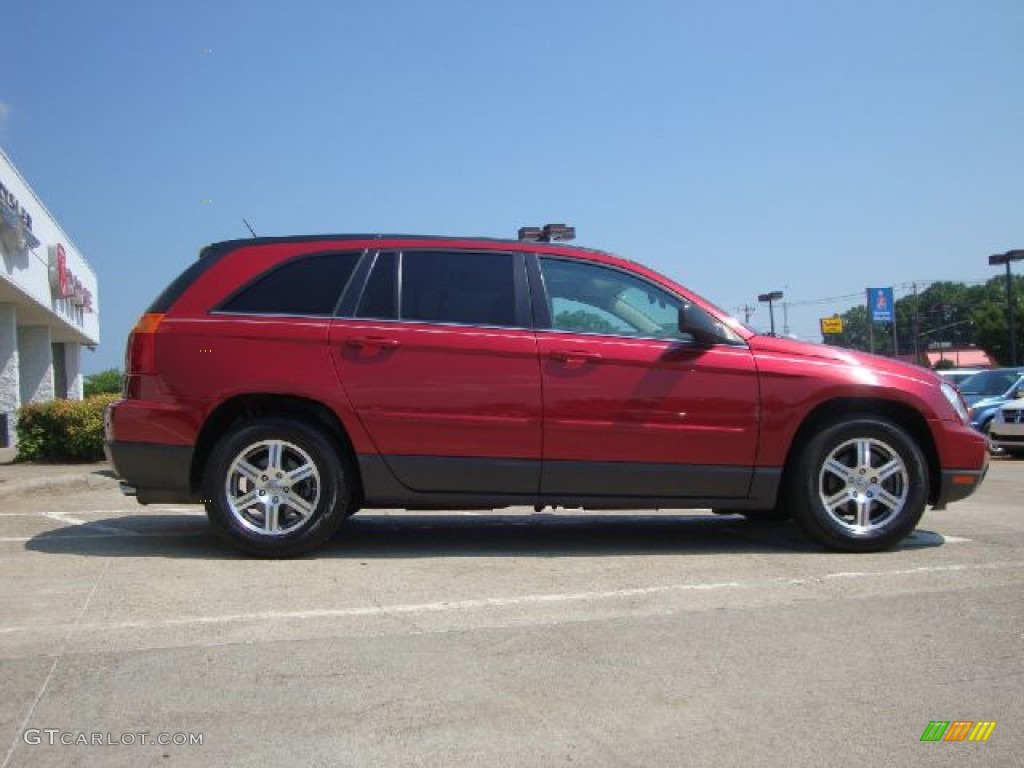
(456, 287)
(380, 297)
(310, 285)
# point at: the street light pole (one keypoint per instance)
(1007, 258)
(771, 297)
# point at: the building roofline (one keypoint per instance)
(42, 205)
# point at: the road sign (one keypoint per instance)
(832, 324)
(880, 305)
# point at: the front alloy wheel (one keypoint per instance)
(863, 485)
(859, 485)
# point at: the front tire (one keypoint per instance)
(859, 485)
(277, 487)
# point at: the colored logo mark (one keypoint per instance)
(958, 730)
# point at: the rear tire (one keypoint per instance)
(859, 485)
(278, 487)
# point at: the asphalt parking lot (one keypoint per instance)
(510, 638)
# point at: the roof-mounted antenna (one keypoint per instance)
(247, 226)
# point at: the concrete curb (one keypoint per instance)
(56, 483)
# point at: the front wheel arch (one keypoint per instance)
(847, 408)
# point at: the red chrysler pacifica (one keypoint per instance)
(287, 382)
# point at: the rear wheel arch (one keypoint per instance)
(845, 409)
(251, 407)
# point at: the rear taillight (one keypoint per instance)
(139, 357)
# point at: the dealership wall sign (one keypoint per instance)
(15, 223)
(11, 203)
(63, 282)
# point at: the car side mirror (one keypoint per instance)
(690, 330)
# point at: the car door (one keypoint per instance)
(633, 407)
(441, 367)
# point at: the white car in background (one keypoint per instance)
(1006, 430)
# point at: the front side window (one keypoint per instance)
(588, 298)
(309, 285)
(467, 288)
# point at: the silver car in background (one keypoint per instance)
(1006, 431)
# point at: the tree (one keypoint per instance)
(990, 321)
(583, 321)
(108, 381)
(948, 314)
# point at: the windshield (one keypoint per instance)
(990, 382)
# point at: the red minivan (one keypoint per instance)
(287, 382)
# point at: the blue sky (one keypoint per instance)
(739, 147)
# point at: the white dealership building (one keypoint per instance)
(49, 307)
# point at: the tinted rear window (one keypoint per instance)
(310, 285)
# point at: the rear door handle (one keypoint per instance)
(371, 341)
(567, 355)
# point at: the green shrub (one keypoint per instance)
(62, 430)
(103, 382)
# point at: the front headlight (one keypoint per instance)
(954, 398)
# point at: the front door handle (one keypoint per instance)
(568, 355)
(381, 342)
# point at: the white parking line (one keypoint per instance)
(64, 517)
(516, 600)
(133, 510)
(53, 667)
(109, 533)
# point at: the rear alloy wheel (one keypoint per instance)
(277, 488)
(859, 485)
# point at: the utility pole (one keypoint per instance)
(785, 318)
(747, 310)
(917, 329)
(1006, 258)
(895, 343)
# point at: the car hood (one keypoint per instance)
(849, 357)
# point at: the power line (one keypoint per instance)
(907, 287)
